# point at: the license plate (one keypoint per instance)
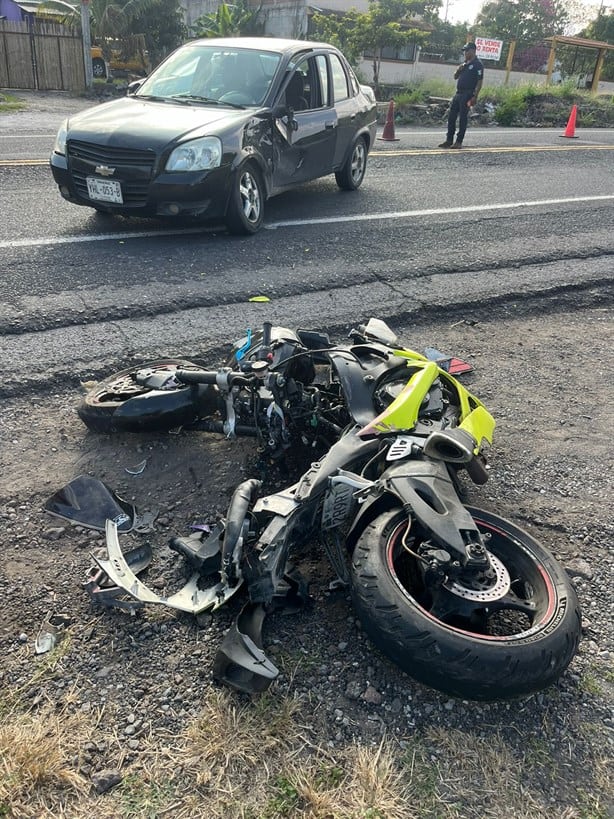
(104, 190)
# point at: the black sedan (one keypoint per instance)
(216, 129)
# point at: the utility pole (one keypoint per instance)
(87, 43)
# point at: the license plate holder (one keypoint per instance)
(104, 190)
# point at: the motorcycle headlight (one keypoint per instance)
(60, 140)
(196, 155)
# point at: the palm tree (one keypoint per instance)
(109, 19)
(230, 20)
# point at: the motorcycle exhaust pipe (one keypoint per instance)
(452, 445)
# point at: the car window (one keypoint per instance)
(306, 90)
(340, 80)
(322, 65)
(234, 75)
(354, 82)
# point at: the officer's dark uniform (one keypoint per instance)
(468, 76)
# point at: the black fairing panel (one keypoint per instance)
(158, 410)
(359, 377)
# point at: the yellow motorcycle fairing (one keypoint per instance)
(402, 413)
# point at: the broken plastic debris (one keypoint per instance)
(50, 632)
(137, 469)
(259, 298)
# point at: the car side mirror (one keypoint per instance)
(133, 87)
(279, 111)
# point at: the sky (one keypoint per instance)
(461, 10)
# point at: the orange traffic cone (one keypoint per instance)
(570, 130)
(388, 133)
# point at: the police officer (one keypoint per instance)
(469, 77)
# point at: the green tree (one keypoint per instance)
(162, 27)
(238, 19)
(115, 24)
(447, 39)
(109, 19)
(528, 22)
(602, 29)
(387, 24)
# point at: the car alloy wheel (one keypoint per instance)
(251, 200)
(358, 162)
(246, 206)
(351, 174)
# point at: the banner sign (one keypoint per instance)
(487, 49)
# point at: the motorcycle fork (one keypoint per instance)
(427, 491)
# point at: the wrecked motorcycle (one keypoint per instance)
(459, 598)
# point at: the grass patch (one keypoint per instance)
(528, 105)
(10, 103)
(39, 753)
(262, 758)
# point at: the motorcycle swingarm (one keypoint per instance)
(190, 598)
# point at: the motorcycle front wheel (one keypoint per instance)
(504, 635)
(103, 408)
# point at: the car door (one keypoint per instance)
(306, 140)
(349, 118)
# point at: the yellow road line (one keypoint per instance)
(16, 163)
(26, 163)
(502, 150)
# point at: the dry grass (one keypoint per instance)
(259, 759)
(39, 755)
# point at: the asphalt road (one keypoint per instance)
(517, 213)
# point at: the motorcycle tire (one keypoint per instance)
(99, 406)
(470, 643)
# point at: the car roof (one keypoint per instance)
(275, 44)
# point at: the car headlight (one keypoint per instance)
(60, 140)
(196, 155)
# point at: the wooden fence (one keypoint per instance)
(41, 56)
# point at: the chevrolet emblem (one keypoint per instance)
(104, 170)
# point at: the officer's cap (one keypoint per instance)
(469, 47)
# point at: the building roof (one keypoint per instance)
(580, 42)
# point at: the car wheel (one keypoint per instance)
(246, 206)
(350, 177)
(99, 68)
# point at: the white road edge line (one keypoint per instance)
(359, 217)
(406, 214)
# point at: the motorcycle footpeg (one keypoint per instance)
(240, 662)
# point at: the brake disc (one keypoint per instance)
(486, 590)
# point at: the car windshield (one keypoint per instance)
(210, 75)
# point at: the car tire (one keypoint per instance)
(350, 177)
(99, 68)
(246, 205)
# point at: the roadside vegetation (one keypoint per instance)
(10, 103)
(261, 759)
(527, 105)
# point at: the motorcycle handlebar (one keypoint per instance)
(266, 333)
(212, 377)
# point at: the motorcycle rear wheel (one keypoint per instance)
(99, 406)
(474, 643)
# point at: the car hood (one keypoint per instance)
(147, 124)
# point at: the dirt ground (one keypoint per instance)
(546, 378)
